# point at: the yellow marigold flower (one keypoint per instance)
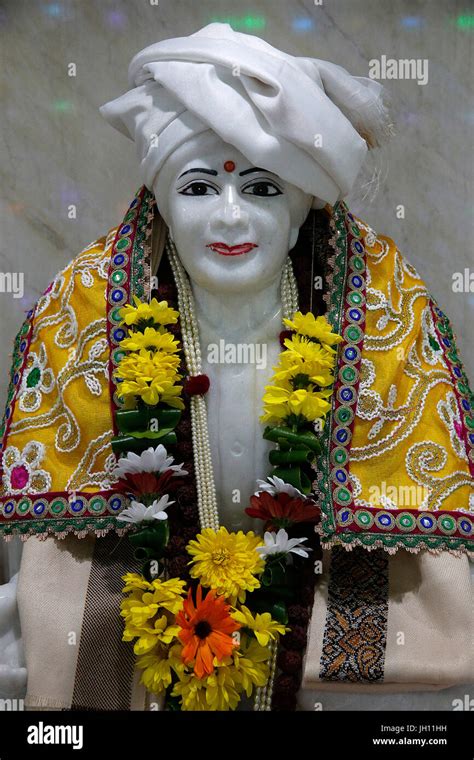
(150, 339)
(262, 624)
(227, 562)
(157, 311)
(158, 666)
(313, 327)
(218, 691)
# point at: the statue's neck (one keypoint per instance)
(238, 315)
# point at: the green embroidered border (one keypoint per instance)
(18, 358)
(410, 543)
(60, 528)
(334, 316)
(140, 257)
(462, 390)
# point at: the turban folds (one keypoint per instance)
(301, 118)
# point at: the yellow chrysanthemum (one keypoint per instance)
(295, 370)
(170, 587)
(311, 404)
(147, 364)
(149, 339)
(313, 327)
(157, 312)
(252, 666)
(227, 562)
(134, 581)
(218, 691)
(147, 636)
(167, 595)
(157, 391)
(150, 376)
(304, 348)
(158, 666)
(280, 402)
(262, 624)
(147, 612)
(275, 403)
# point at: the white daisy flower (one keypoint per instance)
(138, 512)
(275, 485)
(152, 460)
(279, 543)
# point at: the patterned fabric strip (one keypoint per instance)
(105, 665)
(355, 635)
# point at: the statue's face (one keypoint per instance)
(233, 223)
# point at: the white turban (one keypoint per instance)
(301, 118)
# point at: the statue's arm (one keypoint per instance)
(12, 660)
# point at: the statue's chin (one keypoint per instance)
(227, 278)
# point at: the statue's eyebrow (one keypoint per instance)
(200, 171)
(250, 171)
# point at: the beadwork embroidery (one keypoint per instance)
(358, 521)
(37, 379)
(355, 634)
(21, 470)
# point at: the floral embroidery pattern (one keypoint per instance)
(37, 379)
(21, 472)
(449, 413)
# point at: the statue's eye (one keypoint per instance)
(198, 188)
(263, 188)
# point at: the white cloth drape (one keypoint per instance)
(300, 118)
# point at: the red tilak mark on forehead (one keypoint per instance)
(229, 166)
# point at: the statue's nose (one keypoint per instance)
(229, 211)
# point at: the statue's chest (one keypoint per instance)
(238, 374)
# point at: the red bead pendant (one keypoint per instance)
(196, 385)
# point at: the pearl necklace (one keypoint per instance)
(205, 485)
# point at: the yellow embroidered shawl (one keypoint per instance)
(397, 464)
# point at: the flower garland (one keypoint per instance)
(211, 637)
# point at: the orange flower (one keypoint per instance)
(206, 631)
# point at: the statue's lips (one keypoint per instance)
(231, 250)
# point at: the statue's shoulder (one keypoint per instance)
(59, 373)
(91, 262)
(387, 266)
(79, 288)
(70, 314)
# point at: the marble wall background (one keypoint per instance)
(56, 150)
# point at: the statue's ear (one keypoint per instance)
(295, 231)
(158, 239)
(305, 213)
